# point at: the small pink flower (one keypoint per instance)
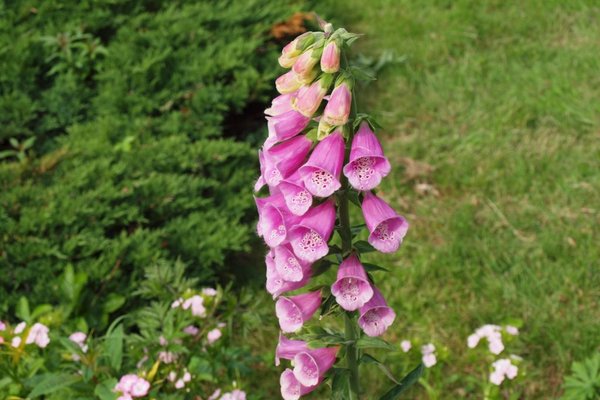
(213, 335)
(38, 334)
(140, 388)
(210, 292)
(215, 395)
(15, 342)
(2, 326)
(337, 110)
(20, 327)
(405, 345)
(367, 165)
(287, 348)
(503, 368)
(429, 359)
(235, 395)
(330, 60)
(289, 267)
(167, 357)
(179, 384)
(511, 330)
(297, 198)
(191, 330)
(126, 383)
(196, 303)
(295, 310)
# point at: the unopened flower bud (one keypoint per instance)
(330, 60)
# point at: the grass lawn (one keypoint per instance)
(492, 121)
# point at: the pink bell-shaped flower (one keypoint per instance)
(338, 107)
(283, 159)
(330, 59)
(367, 164)
(297, 199)
(287, 349)
(288, 82)
(311, 365)
(275, 284)
(305, 63)
(310, 236)
(386, 228)
(293, 311)
(291, 388)
(292, 50)
(281, 104)
(375, 315)
(289, 267)
(352, 288)
(274, 219)
(321, 173)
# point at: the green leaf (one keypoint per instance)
(372, 267)
(406, 382)
(321, 267)
(361, 74)
(363, 246)
(368, 342)
(22, 310)
(105, 389)
(340, 384)
(41, 310)
(113, 302)
(114, 347)
(49, 383)
(369, 359)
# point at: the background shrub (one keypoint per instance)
(123, 143)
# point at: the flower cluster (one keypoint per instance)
(308, 148)
(501, 368)
(38, 334)
(236, 394)
(131, 386)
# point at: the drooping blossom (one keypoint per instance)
(322, 171)
(305, 63)
(281, 104)
(405, 345)
(288, 348)
(291, 388)
(213, 335)
(310, 366)
(386, 228)
(338, 106)
(310, 236)
(352, 288)
(367, 165)
(283, 159)
(503, 368)
(293, 311)
(293, 49)
(376, 316)
(330, 59)
(428, 352)
(274, 220)
(285, 126)
(288, 82)
(297, 198)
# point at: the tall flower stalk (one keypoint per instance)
(320, 156)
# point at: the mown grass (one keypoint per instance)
(492, 121)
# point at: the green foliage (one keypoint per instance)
(584, 381)
(122, 144)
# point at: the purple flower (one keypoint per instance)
(287, 349)
(321, 173)
(291, 388)
(282, 160)
(310, 236)
(330, 60)
(352, 288)
(338, 107)
(289, 267)
(133, 386)
(367, 164)
(285, 126)
(311, 365)
(386, 228)
(297, 199)
(293, 311)
(276, 284)
(375, 315)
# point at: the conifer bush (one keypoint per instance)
(116, 146)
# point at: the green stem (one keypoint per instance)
(346, 235)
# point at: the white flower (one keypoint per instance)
(79, 339)
(179, 384)
(20, 328)
(38, 334)
(428, 348)
(473, 340)
(503, 368)
(511, 330)
(496, 346)
(15, 342)
(209, 292)
(196, 303)
(2, 326)
(213, 335)
(172, 376)
(405, 345)
(429, 360)
(177, 303)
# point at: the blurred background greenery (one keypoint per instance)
(128, 137)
